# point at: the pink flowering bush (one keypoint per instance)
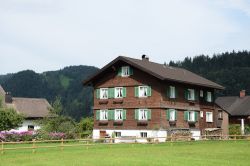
(57, 136)
(9, 136)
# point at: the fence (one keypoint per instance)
(61, 144)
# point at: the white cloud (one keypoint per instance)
(90, 32)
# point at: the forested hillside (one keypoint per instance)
(66, 83)
(232, 70)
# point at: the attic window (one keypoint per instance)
(125, 71)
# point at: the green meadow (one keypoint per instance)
(214, 153)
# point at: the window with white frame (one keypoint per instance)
(201, 114)
(209, 117)
(104, 93)
(103, 114)
(118, 134)
(201, 93)
(118, 114)
(119, 92)
(209, 96)
(220, 115)
(143, 114)
(172, 92)
(143, 134)
(125, 71)
(143, 91)
(191, 94)
(191, 116)
(172, 115)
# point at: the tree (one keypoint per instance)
(9, 119)
(86, 124)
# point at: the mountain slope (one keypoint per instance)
(66, 83)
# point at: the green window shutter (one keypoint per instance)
(111, 114)
(168, 92)
(176, 92)
(149, 114)
(196, 94)
(136, 91)
(168, 114)
(175, 113)
(196, 116)
(98, 93)
(186, 115)
(206, 98)
(124, 91)
(149, 91)
(119, 72)
(97, 114)
(136, 114)
(131, 72)
(111, 92)
(124, 114)
(186, 94)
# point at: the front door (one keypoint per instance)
(102, 134)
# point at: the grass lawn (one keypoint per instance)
(214, 153)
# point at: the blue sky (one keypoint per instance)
(44, 35)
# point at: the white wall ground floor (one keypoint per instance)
(27, 125)
(130, 135)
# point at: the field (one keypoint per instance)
(186, 153)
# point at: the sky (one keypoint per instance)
(44, 35)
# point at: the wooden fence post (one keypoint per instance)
(2, 148)
(33, 146)
(62, 144)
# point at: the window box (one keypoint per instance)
(103, 102)
(118, 101)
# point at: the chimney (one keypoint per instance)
(145, 57)
(8, 97)
(242, 93)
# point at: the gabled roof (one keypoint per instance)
(31, 107)
(161, 72)
(235, 105)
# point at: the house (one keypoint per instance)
(238, 108)
(140, 98)
(32, 109)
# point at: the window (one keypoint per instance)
(31, 128)
(118, 134)
(103, 114)
(143, 114)
(119, 92)
(172, 92)
(190, 94)
(171, 114)
(209, 97)
(104, 93)
(201, 114)
(143, 134)
(191, 116)
(118, 114)
(125, 71)
(143, 91)
(220, 115)
(201, 93)
(209, 117)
